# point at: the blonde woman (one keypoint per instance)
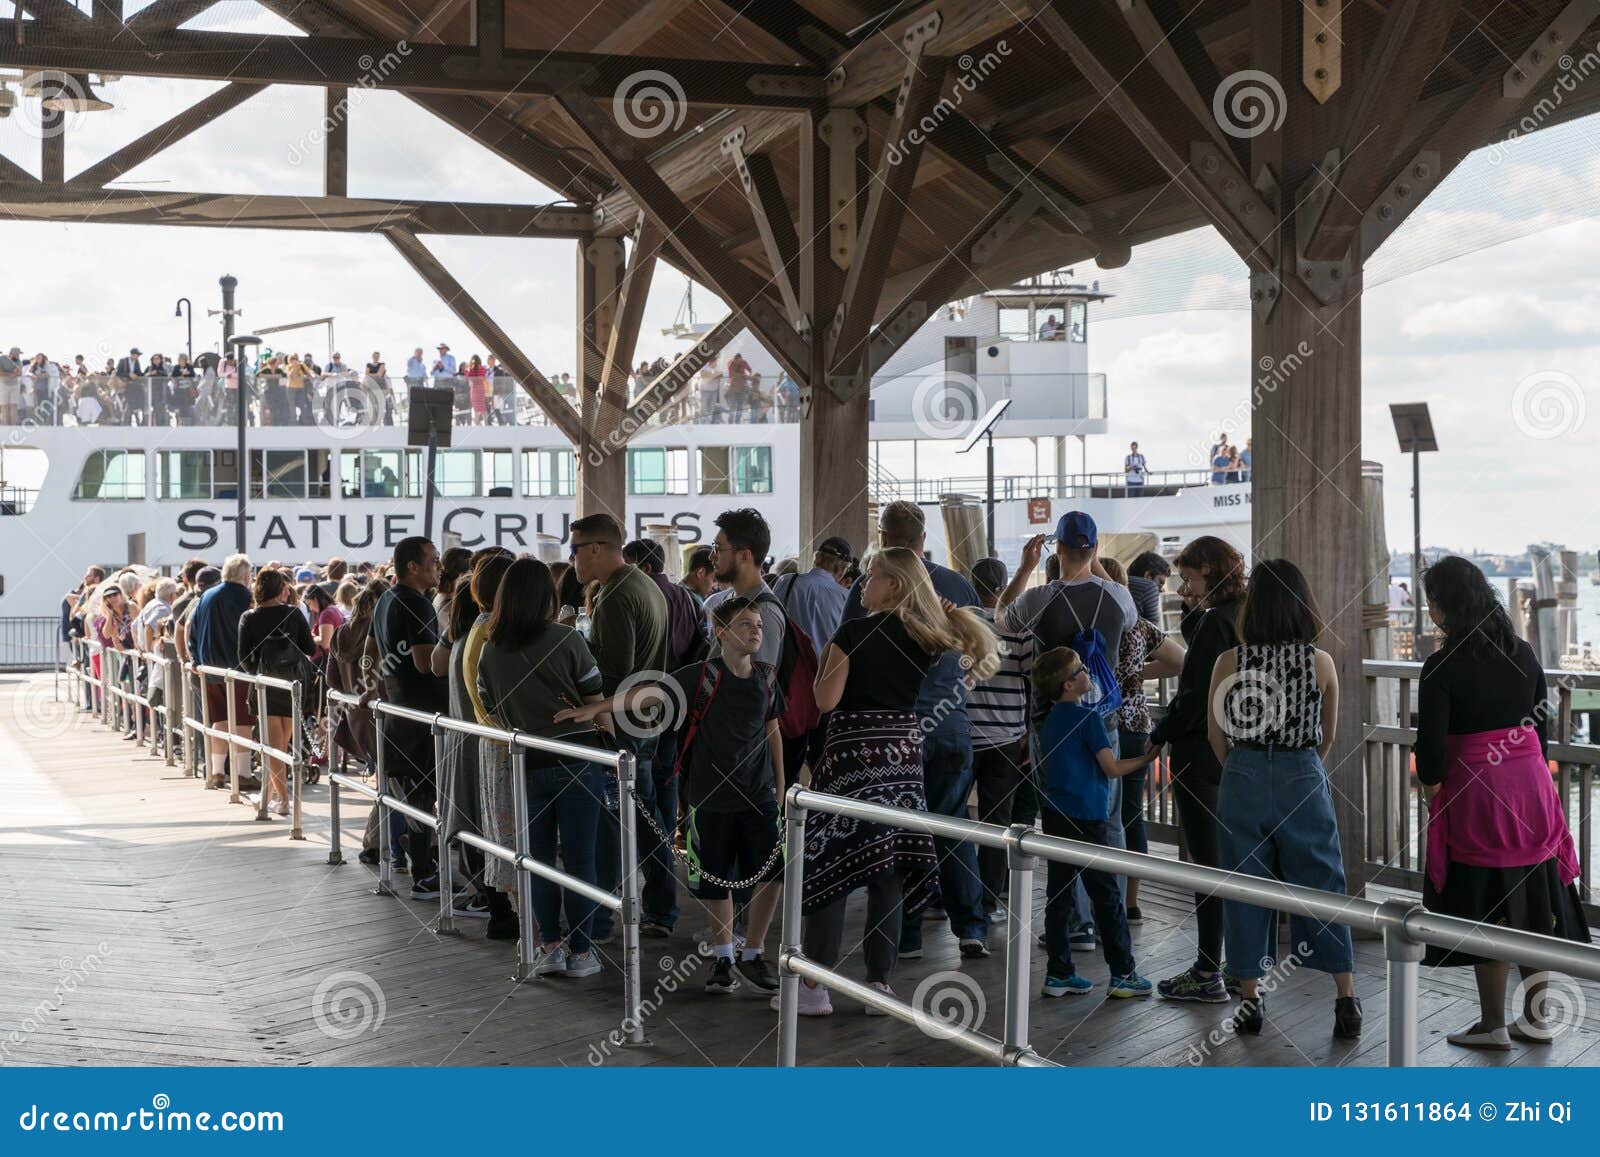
(868, 677)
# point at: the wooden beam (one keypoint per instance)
(876, 65)
(14, 174)
(167, 14)
(34, 201)
(432, 25)
(886, 208)
(404, 67)
(734, 283)
(107, 13)
(1172, 44)
(565, 172)
(1110, 60)
(165, 135)
(485, 329)
(53, 14)
(789, 24)
(53, 147)
(774, 226)
(624, 336)
(1409, 46)
(489, 29)
(675, 378)
(336, 142)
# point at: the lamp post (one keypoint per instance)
(1414, 427)
(241, 345)
(985, 429)
(185, 304)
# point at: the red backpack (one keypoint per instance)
(797, 675)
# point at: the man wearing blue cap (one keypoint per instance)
(1084, 598)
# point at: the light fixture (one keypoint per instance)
(74, 93)
(8, 100)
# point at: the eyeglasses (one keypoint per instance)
(1071, 675)
(572, 551)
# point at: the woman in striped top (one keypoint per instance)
(1274, 703)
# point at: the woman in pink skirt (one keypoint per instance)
(477, 389)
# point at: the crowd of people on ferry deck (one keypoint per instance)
(896, 680)
(290, 389)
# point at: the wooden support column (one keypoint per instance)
(336, 142)
(53, 146)
(833, 430)
(602, 458)
(1305, 364)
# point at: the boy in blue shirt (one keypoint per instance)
(1077, 766)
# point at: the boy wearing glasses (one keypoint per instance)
(1075, 773)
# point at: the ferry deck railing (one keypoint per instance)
(520, 857)
(237, 737)
(1404, 925)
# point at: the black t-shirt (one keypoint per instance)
(886, 664)
(402, 620)
(728, 767)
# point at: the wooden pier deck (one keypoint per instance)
(145, 921)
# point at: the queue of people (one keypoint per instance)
(895, 681)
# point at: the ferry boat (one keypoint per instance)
(350, 486)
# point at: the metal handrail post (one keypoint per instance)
(233, 735)
(628, 830)
(1019, 939)
(385, 868)
(446, 868)
(1403, 957)
(519, 814)
(335, 832)
(139, 709)
(263, 737)
(169, 718)
(106, 681)
(794, 845)
(297, 767)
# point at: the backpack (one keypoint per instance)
(705, 690)
(797, 675)
(280, 658)
(1091, 648)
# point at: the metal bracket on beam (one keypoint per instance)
(1325, 279)
(780, 84)
(1221, 175)
(913, 40)
(1028, 203)
(1396, 202)
(1543, 53)
(1321, 47)
(1265, 289)
(897, 330)
(842, 130)
(732, 146)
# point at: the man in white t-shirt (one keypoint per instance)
(1133, 469)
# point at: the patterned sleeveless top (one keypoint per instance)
(1273, 696)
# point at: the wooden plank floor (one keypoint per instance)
(145, 921)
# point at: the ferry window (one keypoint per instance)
(497, 474)
(455, 473)
(549, 474)
(112, 474)
(1078, 328)
(714, 470)
(752, 470)
(1014, 322)
(225, 473)
(183, 474)
(278, 474)
(370, 473)
(320, 478)
(652, 470)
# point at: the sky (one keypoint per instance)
(1501, 341)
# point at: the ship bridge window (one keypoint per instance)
(549, 474)
(184, 474)
(112, 475)
(497, 474)
(370, 473)
(1014, 322)
(1078, 321)
(455, 474)
(653, 470)
(289, 473)
(752, 469)
(714, 470)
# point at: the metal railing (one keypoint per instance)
(1405, 926)
(30, 643)
(240, 740)
(1397, 807)
(520, 857)
(1015, 487)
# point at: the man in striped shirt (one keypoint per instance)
(998, 709)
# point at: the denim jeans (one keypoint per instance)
(1277, 821)
(1133, 787)
(564, 802)
(1005, 797)
(658, 798)
(1063, 881)
(947, 780)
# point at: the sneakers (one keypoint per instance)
(974, 949)
(581, 964)
(1128, 987)
(1082, 941)
(1192, 984)
(1347, 1018)
(550, 960)
(815, 1002)
(1135, 916)
(426, 888)
(722, 980)
(370, 858)
(883, 987)
(1250, 1015)
(503, 926)
(1066, 986)
(474, 907)
(1475, 1037)
(654, 930)
(911, 953)
(758, 972)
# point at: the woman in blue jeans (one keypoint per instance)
(1273, 704)
(530, 668)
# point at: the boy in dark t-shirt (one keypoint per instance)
(732, 765)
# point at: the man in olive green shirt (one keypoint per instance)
(629, 636)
